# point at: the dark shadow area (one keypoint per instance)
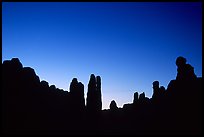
(31, 106)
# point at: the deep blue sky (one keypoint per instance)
(129, 45)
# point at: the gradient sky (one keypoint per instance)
(129, 45)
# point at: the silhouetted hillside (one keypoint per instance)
(31, 106)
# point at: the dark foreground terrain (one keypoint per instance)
(31, 106)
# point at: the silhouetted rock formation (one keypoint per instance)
(98, 93)
(94, 103)
(135, 98)
(32, 106)
(184, 71)
(184, 98)
(113, 106)
(158, 93)
(77, 94)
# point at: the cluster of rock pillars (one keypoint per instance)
(31, 106)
